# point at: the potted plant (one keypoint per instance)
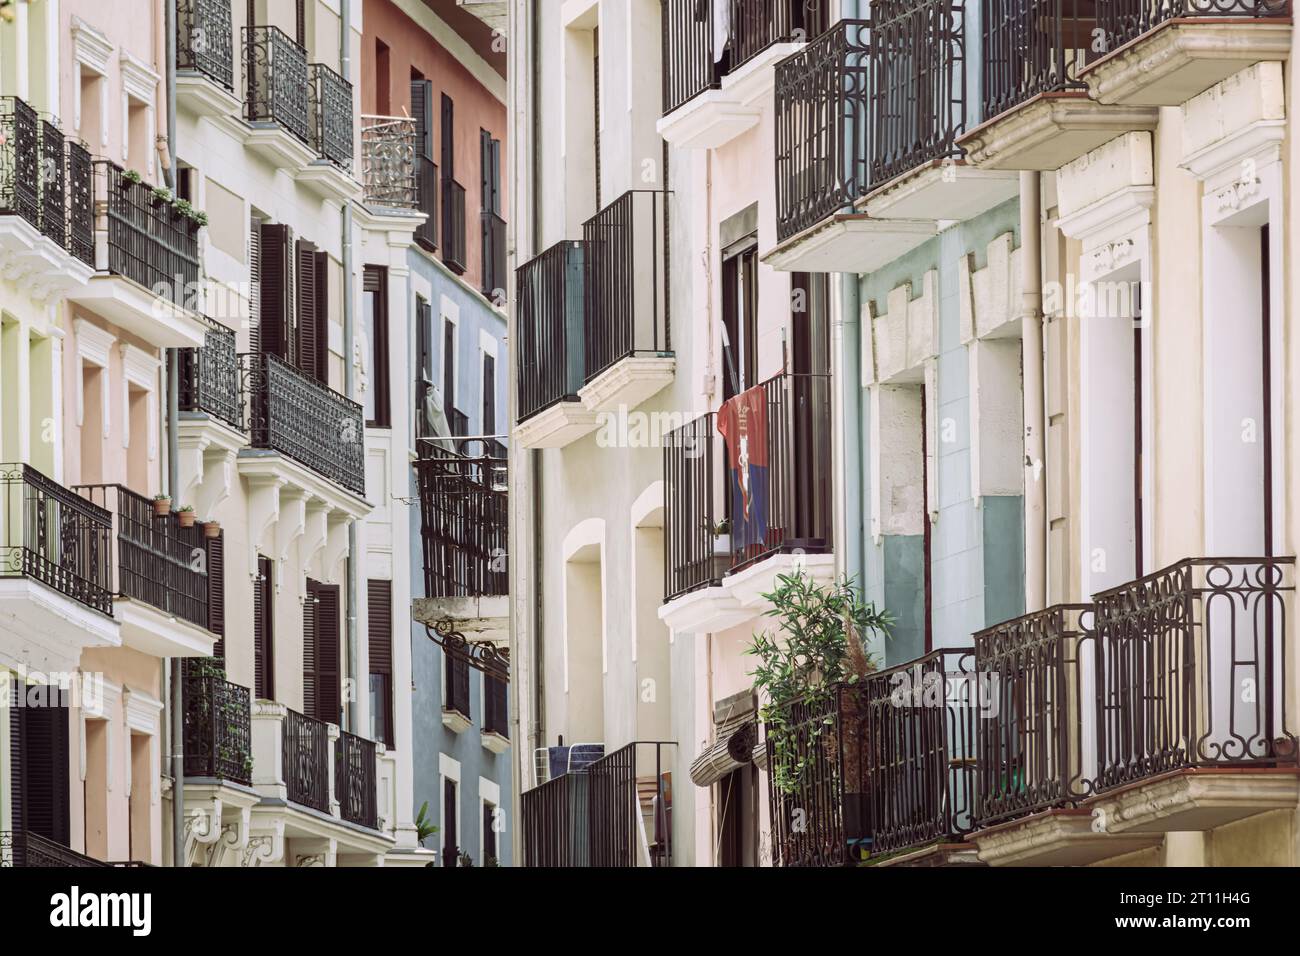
(212, 528)
(186, 516)
(720, 539)
(162, 505)
(130, 178)
(161, 196)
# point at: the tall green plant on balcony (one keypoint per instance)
(819, 644)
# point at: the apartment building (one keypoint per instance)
(942, 258)
(434, 90)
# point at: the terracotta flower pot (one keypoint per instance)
(186, 518)
(162, 507)
(212, 529)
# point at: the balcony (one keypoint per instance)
(495, 734)
(305, 421)
(23, 848)
(456, 711)
(356, 770)
(551, 292)
(867, 117)
(45, 194)
(209, 377)
(277, 97)
(161, 575)
(388, 166)
(714, 93)
(1164, 54)
(453, 226)
(495, 277)
(615, 812)
(56, 573)
(463, 526)
(1036, 108)
(218, 730)
(306, 749)
(715, 580)
(426, 192)
(205, 62)
(147, 254)
(332, 136)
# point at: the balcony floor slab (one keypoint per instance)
(703, 611)
(1197, 799)
(1182, 58)
(278, 146)
(132, 307)
(1054, 838)
(45, 631)
(197, 94)
(1046, 132)
(939, 191)
(305, 824)
(849, 242)
(30, 258)
(329, 182)
(940, 854)
(262, 463)
(478, 618)
(739, 597)
(561, 424)
(159, 634)
(628, 383)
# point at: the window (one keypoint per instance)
(489, 394)
(496, 706)
(300, 22)
(489, 832)
(263, 631)
(383, 90)
(374, 290)
(424, 374)
(740, 317)
(39, 768)
(490, 165)
(448, 144)
(380, 616)
(426, 170)
(449, 370)
(456, 685)
(322, 690)
(295, 329)
(450, 840)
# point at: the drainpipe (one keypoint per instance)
(848, 333)
(1031, 333)
(349, 380)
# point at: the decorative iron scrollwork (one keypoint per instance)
(481, 655)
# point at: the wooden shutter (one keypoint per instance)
(489, 395)
(217, 593)
(322, 318)
(374, 279)
(422, 111)
(42, 764)
(305, 350)
(450, 837)
(300, 23)
(380, 620)
(310, 654)
(254, 285)
(424, 368)
(448, 137)
(263, 632)
(448, 367)
(322, 677)
(276, 290)
(485, 170)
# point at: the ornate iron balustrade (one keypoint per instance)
(23, 848)
(209, 377)
(1033, 47)
(218, 735)
(456, 684)
(20, 161)
(463, 523)
(55, 536)
(356, 776)
(494, 258)
(823, 97)
(388, 161)
(156, 557)
(149, 241)
(1174, 650)
(311, 423)
(426, 188)
(54, 210)
(918, 101)
(1037, 673)
(331, 115)
(693, 555)
(205, 40)
(691, 29)
(306, 760)
(453, 226)
(276, 79)
(626, 285)
(496, 706)
(551, 292)
(81, 202)
(1122, 21)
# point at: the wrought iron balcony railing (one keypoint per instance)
(463, 523)
(388, 161)
(494, 280)
(53, 172)
(20, 161)
(276, 80)
(148, 240)
(155, 555)
(81, 202)
(306, 760)
(209, 377)
(53, 535)
(693, 555)
(356, 777)
(496, 706)
(595, 817)
(205, 40)
(331, 115)
(426, 189)
(453, 226)
(1037, 673)
(23, 848)
(692, 29)
(1174, 650)
(627, 281)
(1033, 47)
(218, 735)
(551, 292)
(1122, 21)
(305, 420)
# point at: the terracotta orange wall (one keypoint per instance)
(409, 47)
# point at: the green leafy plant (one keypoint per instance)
(162, 496)
(132, 176)
(818, 645)
(465, 860)
(722, 527)
(491, 862)
(187, 509)
(424, 827)
(161, 194)
(200, 217)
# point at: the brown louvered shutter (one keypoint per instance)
(329, 676)
(276, 290)
(263, 636)
(310, 653)
(380, 618)
(306, 348)
(255, 285)
(42, 748)
(422, 111)
(217, 593)
(322, 318)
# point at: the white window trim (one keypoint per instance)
(450, 313)
(139, 83)
(92, 50)
(448, 769)
(486, 346)
(140, 369)
(94, 345)
(489, 792)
